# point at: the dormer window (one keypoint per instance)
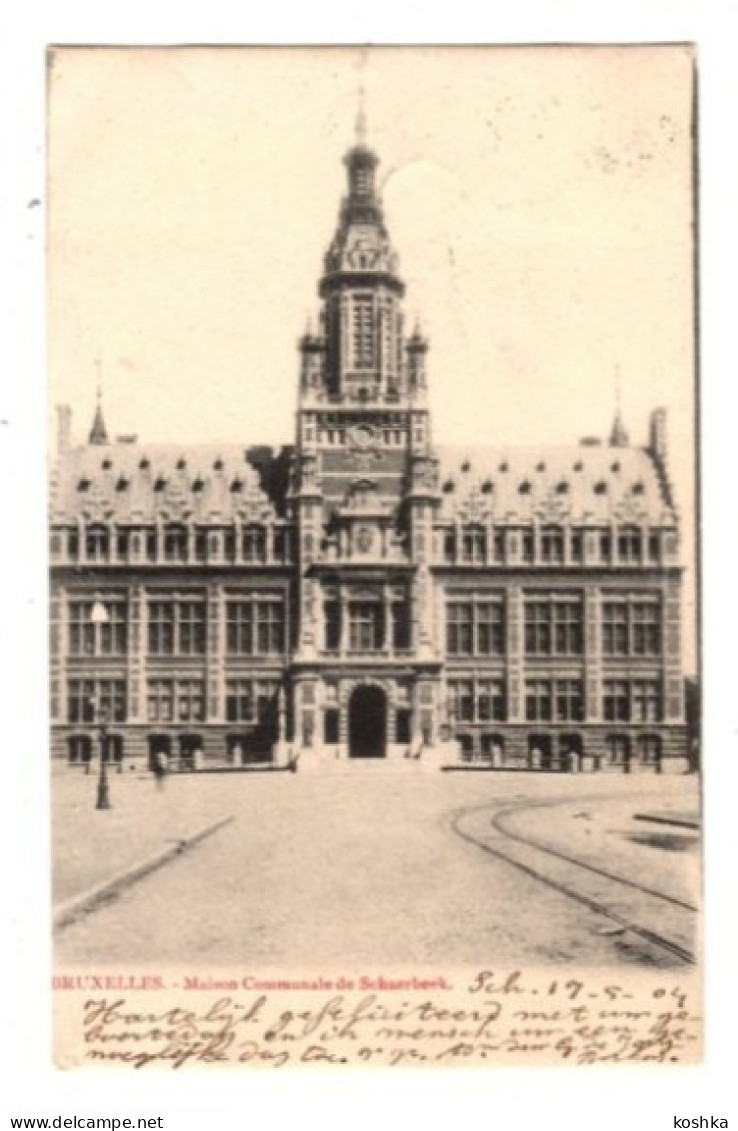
(175, 544)
(630, 544)
(97, 544)
(552, 545)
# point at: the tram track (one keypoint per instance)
(657, 918)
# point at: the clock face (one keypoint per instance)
(362, 435)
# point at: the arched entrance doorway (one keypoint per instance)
(367, 723)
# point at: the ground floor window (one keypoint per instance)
(617, 749)
(160, 746)
(190, 751)
(649, 750)
(79, 749)
(247, 748)
(114, 749)
(403, 725)
(493, 747)
(571, 749)
(330, 727)
(466, 744)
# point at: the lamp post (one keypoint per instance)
(103, 789)
(100, 616)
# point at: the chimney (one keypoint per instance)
(63, 429)
(657, 435)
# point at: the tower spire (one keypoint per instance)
(98, 432)
(619, 435)
(360, 126)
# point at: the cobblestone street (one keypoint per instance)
(366, 868)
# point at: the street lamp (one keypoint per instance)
(100, 615)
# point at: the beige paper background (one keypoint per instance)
(540, 200)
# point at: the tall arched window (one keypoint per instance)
(552, 545)
(630, 544)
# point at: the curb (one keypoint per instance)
(66, 913)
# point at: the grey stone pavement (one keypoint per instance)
(361, 869)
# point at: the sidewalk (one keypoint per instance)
(609, 834)
(89, 846)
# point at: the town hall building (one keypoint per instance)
(363, 593)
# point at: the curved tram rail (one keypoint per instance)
(656, 918)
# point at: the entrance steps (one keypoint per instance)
(316, 762)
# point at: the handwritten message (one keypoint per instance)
(488, 1017)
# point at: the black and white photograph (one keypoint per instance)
(373, 551)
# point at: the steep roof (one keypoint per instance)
(137, 483)
(579, 484)
(587, 485)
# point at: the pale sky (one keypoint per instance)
(539, 199)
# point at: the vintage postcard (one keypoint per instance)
(374, 673)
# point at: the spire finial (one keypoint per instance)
(360, 125)
(619, 436)
(98, 432)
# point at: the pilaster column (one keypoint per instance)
(215, 655)
(136, 660)
(58, 651)
(673, 690)
(515, 662)
(343, 627)
(592, 654)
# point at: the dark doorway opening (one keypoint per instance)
(368, 723)
(540, 752)
(190, 745)
(571, 751)
(159, 744)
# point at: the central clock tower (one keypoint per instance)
(362, 379)
(364, 480)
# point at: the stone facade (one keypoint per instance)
(364, 594)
